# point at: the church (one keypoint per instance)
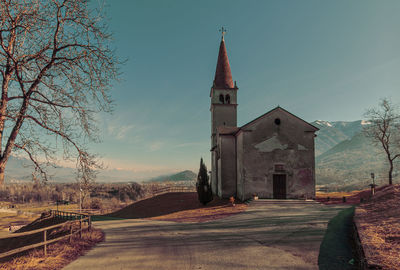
(270, 157)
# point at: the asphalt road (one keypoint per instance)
(269, 235)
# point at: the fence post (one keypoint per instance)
(70, 238)
(80, 227)
(89, 222)
(45, 240)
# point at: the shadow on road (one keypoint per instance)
(336, 248)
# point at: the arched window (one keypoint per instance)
(228, 99)
(221, 98)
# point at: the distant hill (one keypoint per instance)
(20, 169)
(345, 158)
(350, 163)
(332, 133)
(181, 176)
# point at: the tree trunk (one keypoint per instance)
(2, 170)
(390, 172)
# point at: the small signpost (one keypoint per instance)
(373, 184)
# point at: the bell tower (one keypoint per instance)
(223, 105)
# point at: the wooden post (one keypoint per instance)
(45, 240)
(70, 238)
(80, 227)
(89, 223)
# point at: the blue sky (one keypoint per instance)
(328, 60)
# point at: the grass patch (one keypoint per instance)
(336, 248)
(59, 254)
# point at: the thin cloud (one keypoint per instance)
(134, 167)
(188, 144)
(119, 131)
(155, 146)
(123, 130)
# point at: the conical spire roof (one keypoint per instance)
(223, 75)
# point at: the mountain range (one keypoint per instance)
(180, 176)
(332, 133)
(20, 169)
(345, 159)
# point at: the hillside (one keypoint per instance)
(181, 176)
(349, 163)
(377, 222)
(332, 133)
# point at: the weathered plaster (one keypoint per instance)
(271, 144)
(301, 147)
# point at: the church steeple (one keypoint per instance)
(223, 75)
(223, 95)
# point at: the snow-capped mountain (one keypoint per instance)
(345, 158)
(332, 133)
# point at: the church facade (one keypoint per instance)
(270, 157)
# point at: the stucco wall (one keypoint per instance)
(219, 175)
(222, 115)
(214, 179)
(228, 165)
(265, 144)
(239, 166)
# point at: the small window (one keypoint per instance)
(277, 121)
(221, 98)
(228, 99)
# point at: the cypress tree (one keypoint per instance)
(202, 185)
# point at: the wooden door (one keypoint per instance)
(279, 184)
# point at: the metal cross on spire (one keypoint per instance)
(223, 32)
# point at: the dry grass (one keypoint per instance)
(13, 218)
(353, 197)
(378, 225)
(39, 207)
(335, 195)
(26, 213)
(58, 254)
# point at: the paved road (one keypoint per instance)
(269, 235)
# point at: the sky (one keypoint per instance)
(320, 60)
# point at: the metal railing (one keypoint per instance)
(169, 189)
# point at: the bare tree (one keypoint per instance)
(56, 68)
(384, 130)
